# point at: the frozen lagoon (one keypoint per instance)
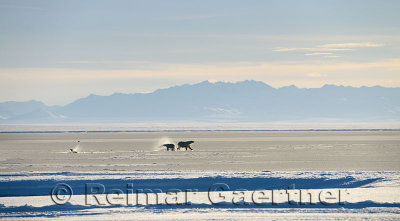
(364, 163)
(213, 150)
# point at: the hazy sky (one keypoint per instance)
(57, 51)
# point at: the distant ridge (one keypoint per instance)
(245, 101)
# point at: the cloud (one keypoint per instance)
(311, 49)
(215, 71)
(327, 49)
(352, 45)
(103, 62)
(318, 53)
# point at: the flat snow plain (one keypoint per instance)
(229, 175)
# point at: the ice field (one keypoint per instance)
(228, 175)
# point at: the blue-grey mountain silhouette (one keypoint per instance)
(246, 101)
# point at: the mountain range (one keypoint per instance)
(246, 101)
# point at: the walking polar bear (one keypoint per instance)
(170, 146)
(185, 144)
(182, 144)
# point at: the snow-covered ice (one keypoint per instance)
(263, 175)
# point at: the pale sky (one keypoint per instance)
(58, 51)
